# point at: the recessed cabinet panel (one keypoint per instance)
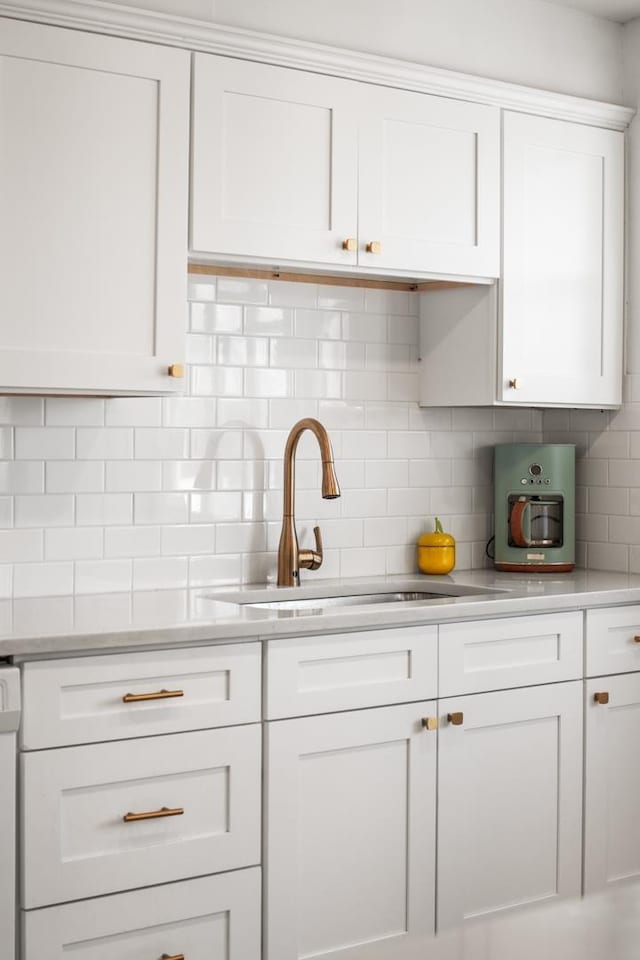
(274, 168)
(510, 789)
(429, 183)
(612, 782)
(119, 696)
(562, 262)
(93, 194)
(350, 857)
(510, 652)
(109, 816)
(213, 918)
(613, 640)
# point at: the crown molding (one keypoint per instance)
(138, 24)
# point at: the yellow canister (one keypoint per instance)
(436, 551)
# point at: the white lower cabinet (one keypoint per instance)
(213, 918)
(612, 781)
(350, 836)
(109, 817)
(509, 800)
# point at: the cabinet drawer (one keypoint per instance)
(213, 917)
(76, 842)
(514, 652)
(613, 640)
(347, 671)
(82, 700)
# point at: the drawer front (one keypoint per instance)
(92, 699)
(514, 652)
(214, 918)
(352, 670)
(613, 640)
(75, 839)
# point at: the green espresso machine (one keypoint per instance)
(535, 487)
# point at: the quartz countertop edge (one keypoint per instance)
(48, 626)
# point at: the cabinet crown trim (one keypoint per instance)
(151, 26)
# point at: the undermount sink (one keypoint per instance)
(315, 598)
(355, 600)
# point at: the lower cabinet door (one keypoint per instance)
(612, 781)
(213, 918)
(350, 826)
(114, 816)
(509, 800)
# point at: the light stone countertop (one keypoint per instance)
(48, 626)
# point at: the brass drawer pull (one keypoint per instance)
(157, 695)
(601, 697)
(457, 719)
(154, 814)
(636, 639)
(172, 956)
(430, 723)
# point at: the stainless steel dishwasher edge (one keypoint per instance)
(9, 723)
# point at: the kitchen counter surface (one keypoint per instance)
(46, 626)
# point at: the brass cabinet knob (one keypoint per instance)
(636, 639)
(176, 370)
(515, 384)
(430, 723)
(350, 244)
(457, 719)
(601, 697)
(374, 247)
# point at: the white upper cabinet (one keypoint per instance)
(562, 292)
(293, 166)
(429, 186)
(93, 212)
(552, 334)
(274, 162)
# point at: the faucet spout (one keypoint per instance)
(290, 557)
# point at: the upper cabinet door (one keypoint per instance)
(93, 212)
(274, 163)
(429, 184)
(562, 297)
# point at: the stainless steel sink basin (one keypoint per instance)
(355, 600)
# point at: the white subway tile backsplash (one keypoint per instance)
(104, 509)
(133, 412)
(49, 510)
(151, 492)
(45, 443)
(74, 412)
(162, 443)
(103, 576)
(133, 475)
(73, 543)
(42, 579)
(154, 508)
(74, 476)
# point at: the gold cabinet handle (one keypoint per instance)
(430, 723)
(374, 247)
(515, 384)
(172, 956)
(154, 814)
(350, 244)
(176, 370)
(636, 639)
(457, 719)
(156, 695)
(601, 697)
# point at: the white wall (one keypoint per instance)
(520, 41)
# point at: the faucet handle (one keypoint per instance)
(312, 559)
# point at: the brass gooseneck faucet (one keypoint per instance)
(290, 557)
